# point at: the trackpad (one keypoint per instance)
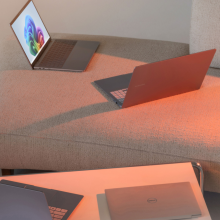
(81, 55)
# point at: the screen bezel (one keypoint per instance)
(47, 43)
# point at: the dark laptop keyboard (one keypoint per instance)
(120, 94)
(57, 213)
(58, 53)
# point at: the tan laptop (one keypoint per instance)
(154, 202)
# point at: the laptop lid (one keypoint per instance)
(166, 78)
(31, 32)
(62, 201)
(22, 204)
(159, 202)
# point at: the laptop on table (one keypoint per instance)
(44, 53)
(170, 201)
(158, 80)
(59, 204)
(22, 204)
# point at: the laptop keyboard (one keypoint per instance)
(57, 213)
(57, 54)
(120, 94)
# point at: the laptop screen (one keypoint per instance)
(30, 31)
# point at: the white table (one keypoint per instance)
(93, 182)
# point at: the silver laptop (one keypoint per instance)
(44, 53)
(22, 204)
(154, 202)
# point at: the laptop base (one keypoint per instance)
(113, 84)
(67, 55)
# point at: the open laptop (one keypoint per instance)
(61, 204)
(154, 202)
(44, 53)
(22, 204)
(158, 80)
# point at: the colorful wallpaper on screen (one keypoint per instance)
(34, 36)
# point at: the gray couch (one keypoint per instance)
(60, 121)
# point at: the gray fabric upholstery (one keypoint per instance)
(53, 120)
(205, 28)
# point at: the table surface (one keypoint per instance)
(92, 182)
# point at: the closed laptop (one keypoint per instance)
(154, 202)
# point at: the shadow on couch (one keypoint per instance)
(67, 117)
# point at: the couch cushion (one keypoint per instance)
(60, 121)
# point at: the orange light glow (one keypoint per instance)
(67, 106)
